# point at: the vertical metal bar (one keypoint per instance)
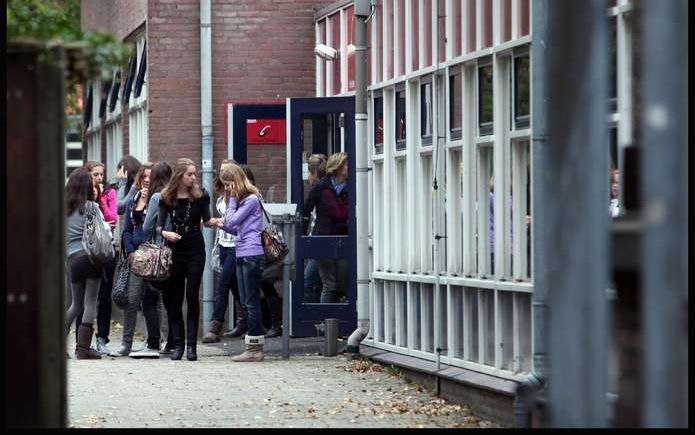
(497, 304)
(482, 327)
(576, 264)
(516, 365)
(288, 227)
(665, 197)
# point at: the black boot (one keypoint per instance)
(191, 354)
(177, 335)
(275, 308)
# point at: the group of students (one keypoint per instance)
(161, 204)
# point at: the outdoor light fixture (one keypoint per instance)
(326, 52)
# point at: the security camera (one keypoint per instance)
(326, 52)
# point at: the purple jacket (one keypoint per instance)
(245, 221)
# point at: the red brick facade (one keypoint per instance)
(262, 49)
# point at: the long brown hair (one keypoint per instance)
(169, 192)
(141, 173)
(235, 174)
(79, 190)
(159, 177)
(91, 164)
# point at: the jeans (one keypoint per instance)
(334, 277)
(249, 271)
(186, 273)
(228, 282)
(312, 282)
(139, 290)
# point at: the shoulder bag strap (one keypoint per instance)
(264, 212)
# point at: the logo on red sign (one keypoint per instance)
(265, 132)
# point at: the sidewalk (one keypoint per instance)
(308, 390)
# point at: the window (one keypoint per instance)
(426, 112)
(485, 100)
(613, 64)
(379, 124)
(522, 92)
(400, 119)
(455, 105)
(137, 105)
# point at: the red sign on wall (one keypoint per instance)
(265, 132)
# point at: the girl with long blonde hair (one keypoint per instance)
(244, 220)
(227, 281)
(186, 205)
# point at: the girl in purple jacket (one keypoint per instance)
(244, 219)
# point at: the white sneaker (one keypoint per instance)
(145, 352)
(101, 347)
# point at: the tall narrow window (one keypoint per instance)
(613, 64)
(415, 34)
(426, 20)
(377, 23)
(335, 43)
(455, 105)
(470, 26)
(426, 113)
(400, 120)
(350, 18)
(485, 99)
(522, 92)
(379, 124)
(441, 27)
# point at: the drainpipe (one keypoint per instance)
(528, 390)
(363, 10)
(207, 140)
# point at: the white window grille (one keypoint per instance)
(94, 131)
(137, 110)
(114, 126)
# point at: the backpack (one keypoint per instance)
(97, 237)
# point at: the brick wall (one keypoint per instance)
(120, 17)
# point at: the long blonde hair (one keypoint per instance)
(233, 173)
(217, 184)
(171, 189)
(335, 162)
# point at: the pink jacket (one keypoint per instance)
(109, 207)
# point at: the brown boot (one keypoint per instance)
(84, 339)
(213, 335)
(254, 350)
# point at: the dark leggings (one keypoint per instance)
(103, 303)
(186, 273)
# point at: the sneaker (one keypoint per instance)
(166, 351)
(145, 352)
(101, 347)
(123, 351)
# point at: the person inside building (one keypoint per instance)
(187, 205)
(107, 204)
(139, 291)
(244, 219)
(614, 208)
(312, 280)
(85, 278)
(159, 178)
(227, 278)
(329, 197)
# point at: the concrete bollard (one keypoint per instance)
(331, 338)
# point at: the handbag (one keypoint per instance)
(97, 239)
(152, 261)
(119, 293)
(215, 259)
(274, 246)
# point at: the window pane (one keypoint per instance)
(455, 95)
(400, 120)
(322, 63)
(613, 83)
(379, 124)
(522, 92)
(485, 99)
(506, 20)
(456, 22)
(335, 43)
(426, 113)
(613, 147)
(379, 44)
(525, 17)
(388, 5)
(427, 32)
(441, 27)
(415, 35)
(470, 25)
(487, 24)
(401, 37)
(350, 17)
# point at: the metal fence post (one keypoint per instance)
(288, 226)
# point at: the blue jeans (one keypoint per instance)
(227, 282)
(248, 274)
(312, 282)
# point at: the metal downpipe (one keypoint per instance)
(207, 146)
(362, 11)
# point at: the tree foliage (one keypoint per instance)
(50, 23)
